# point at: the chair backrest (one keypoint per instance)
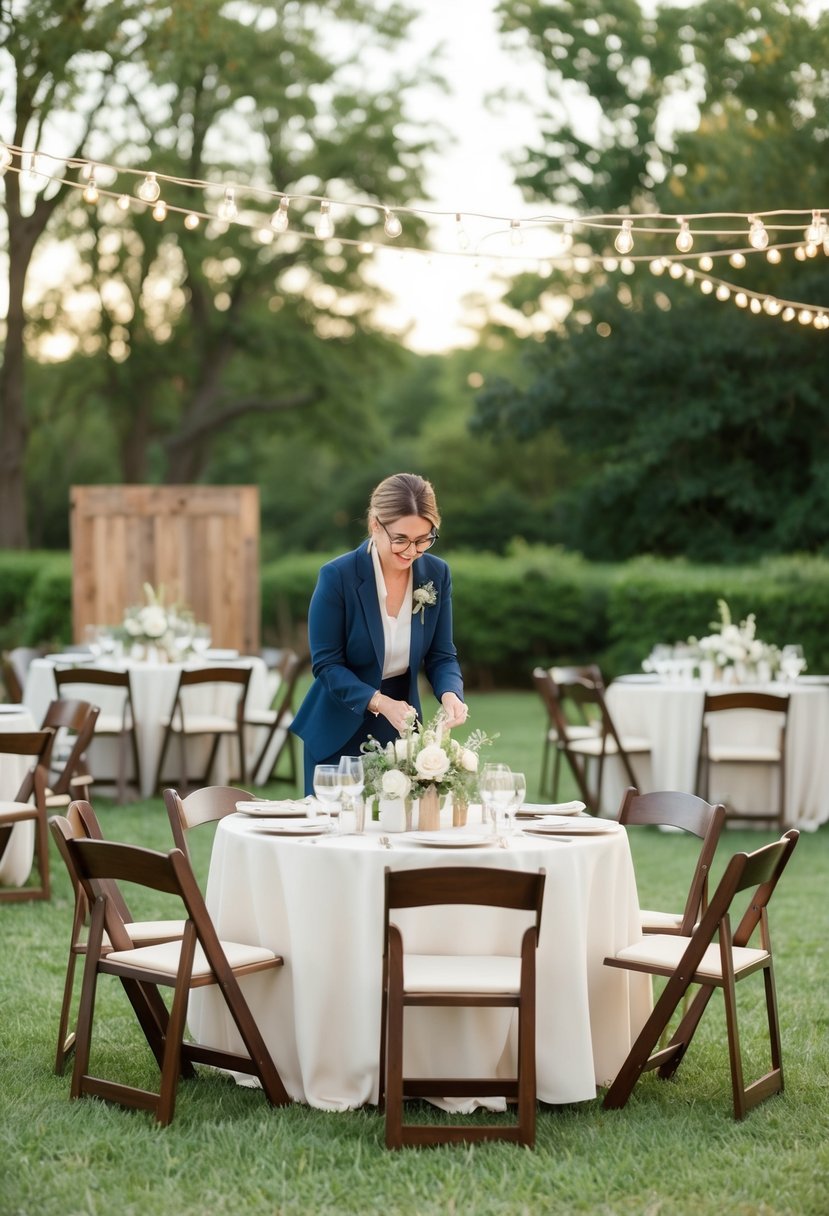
(193, 677)
(759, 872)
(78, 718)
(590, 673)
(475, 885)
(669, 808)
(585, 698)
(548, 692)
(206, 805)
(766, 702)
(81, 823)
(67, 677)
(34, 743)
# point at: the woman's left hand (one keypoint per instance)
(456, 711)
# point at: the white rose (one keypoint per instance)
(395, 784)
(432, 763)
(469, 760)
(401, 749)
(132, 626)
(153, 621)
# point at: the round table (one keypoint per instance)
(16, 862)
(320, 905)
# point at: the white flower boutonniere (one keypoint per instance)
(424, 596)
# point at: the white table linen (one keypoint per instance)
(153, 693)
(16, 862)
(320, 905)
(671, 716)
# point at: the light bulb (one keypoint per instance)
(741, 299)
(758, 237)
(722, 292)
(624, 241)
(191, 221)
(811, 250)
(90, 193)
(392, 227)
(788, 313)
(676, 270)
(800, 253)
(706, 287)
(774, 256)
(772, 307)
(325, 225)
(684, 239)
(755, 305)
(227, 209)
(279, 219)
(160, 210)
(149, 190)
(814, 233)
(461, 234)
(6, 159)
(366, 248)
(516, 237)
(737, 260)
(123, 203)
(657, 266)
(32, 171)
(804, 316)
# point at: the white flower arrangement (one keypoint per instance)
(731, 645)
(423, 756)
(423, 597)
(153, 624)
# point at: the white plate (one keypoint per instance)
(273, 810)
(639, 677)
(71, 656)
(571, 827)
(449, 839)
(222, 655)
(13, 709)
(532, 810)
(299, 827)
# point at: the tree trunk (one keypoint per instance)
(13, 528)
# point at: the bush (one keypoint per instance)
(35, 598)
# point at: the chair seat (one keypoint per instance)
(592, 745)
(109, 724)
(266, 717)
(652, 922)
(454, 973)
(17, 810)
(660, 950)
(204, 724)
(164, 958)
(746, 753)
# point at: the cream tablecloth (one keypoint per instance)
(670, 715)
(16, 862)
(321, 907)
(153, 692)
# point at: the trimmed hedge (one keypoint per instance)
(532, 606)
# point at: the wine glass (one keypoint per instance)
(792, 661)
(496, 790)
(201, 639)
(326, 788)
(352, 782)
(519, 793)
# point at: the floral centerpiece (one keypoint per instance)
(736, 647)
(425, 763)
(154, 626)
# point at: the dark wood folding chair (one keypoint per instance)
(748, 752)
(581, 698)
(543, 681)
(667, 808)
(449, 980)
(277, 722)
(117, 724)
(714, 957)
(198, 959)
(81, 822)
(73, 723)
(206, 805)
(186, 722)
(29, 806)
(15, 668)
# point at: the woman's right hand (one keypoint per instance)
(398, 713)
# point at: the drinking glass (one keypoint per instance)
(201, 638)
(792, 661)
(496, 791)
(519, 793)
(352, 782)
(326, 788)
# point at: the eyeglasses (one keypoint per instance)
(401, 543)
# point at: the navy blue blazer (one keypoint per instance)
(345, 634)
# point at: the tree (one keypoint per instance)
(184, 333)
(701, 428)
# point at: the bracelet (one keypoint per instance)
(373, 706)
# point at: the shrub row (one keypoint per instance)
(532, 606)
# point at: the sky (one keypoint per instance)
(473, 174)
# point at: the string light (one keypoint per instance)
(706, 263)
(325, 225)
(124, 202)
(160, 210)
(90, 193)
(392, 227)
(814, 234)
(227, 209)
(516, 236)
(149, 190)
(461, 235)
(684, 239)
(737, 260)
(279, 219)
(758, 237)
(191, 221)
(624, 241)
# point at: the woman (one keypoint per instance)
(376, 615)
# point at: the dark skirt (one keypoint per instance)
(378, 727)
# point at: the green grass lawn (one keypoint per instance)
(675, 1148)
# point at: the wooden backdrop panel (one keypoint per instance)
(200, 543)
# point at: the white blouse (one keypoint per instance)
(397, 630)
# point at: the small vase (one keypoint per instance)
(392, 814)
(428, 818)
(460, 810)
